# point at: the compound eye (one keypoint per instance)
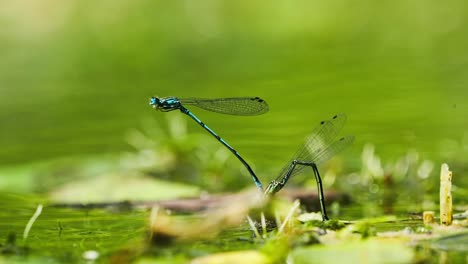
(154, 101)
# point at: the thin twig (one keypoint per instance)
(291, 211)
(31, 221)
(264, 230)
(252, 225)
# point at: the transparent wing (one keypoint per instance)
(319, 146)
(243, 106)
(333, 149)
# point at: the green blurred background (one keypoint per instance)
(76, 76)
(76, 127)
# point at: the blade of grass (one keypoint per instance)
(254, 229)
(31, 222)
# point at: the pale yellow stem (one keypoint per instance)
(445, 195)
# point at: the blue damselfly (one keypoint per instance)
(244, 106)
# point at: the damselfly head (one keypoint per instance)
(154, 102)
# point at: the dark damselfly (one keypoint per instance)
(318, 148)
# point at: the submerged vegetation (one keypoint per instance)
(243, 227)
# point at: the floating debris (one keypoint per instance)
(90, 255)
(231, 212)
(247, 256)
(428, 217)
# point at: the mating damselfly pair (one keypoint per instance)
(319, 146)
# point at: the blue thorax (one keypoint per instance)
(165, 104)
